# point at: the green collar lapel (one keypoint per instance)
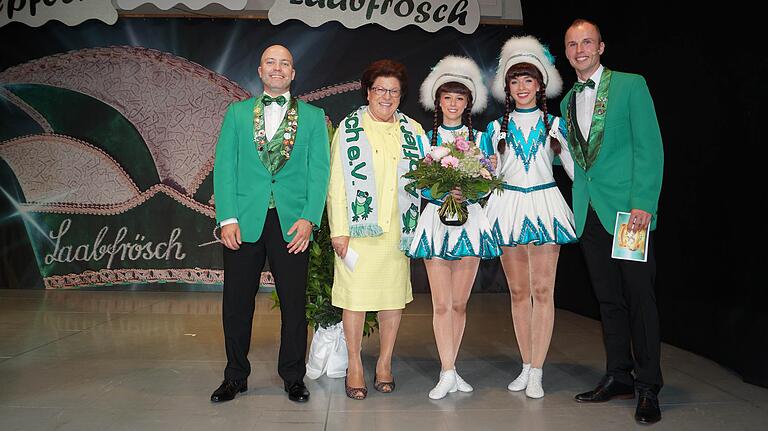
(275, 152)
(585, 152)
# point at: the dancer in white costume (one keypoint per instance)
(454, 89)
(530, 219)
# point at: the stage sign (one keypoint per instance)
(37, 12)
(432, 15)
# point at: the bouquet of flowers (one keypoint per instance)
(455, 165)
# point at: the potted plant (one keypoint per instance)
(328, 352)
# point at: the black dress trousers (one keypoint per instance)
(242, 272)
(625, 292)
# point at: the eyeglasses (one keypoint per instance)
(380, 91)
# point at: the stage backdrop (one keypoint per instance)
(705, 71)
(107, 135)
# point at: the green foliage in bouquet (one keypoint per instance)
(319, 311)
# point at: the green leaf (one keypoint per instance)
(435, 189)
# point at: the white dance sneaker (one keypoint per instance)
(521, 381)
(534, 388)
(446, 384)
(462, 384)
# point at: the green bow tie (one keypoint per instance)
(579, 86)
(267, 100)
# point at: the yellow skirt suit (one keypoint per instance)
(381, 279)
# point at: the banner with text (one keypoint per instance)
(71, 12)
(430, 15)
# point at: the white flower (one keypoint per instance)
(439, 152)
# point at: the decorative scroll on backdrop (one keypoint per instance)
(174, 108)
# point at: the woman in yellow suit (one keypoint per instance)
(372, 214)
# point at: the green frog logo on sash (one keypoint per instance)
(361, 207)
(410, 219)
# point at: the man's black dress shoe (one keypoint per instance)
(228, 390)
(608, 389)
(297, 392)
(647, 411)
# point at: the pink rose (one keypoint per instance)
(428, 159)
(449, 162)
(462, 145)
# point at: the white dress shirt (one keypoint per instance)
(585, 104)
(273, 116)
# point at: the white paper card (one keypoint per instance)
(351, 258)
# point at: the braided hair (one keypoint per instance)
(518, 70)
(466, 116)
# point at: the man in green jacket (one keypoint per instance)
(270, 181)
(615, 141)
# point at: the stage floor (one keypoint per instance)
(78, 360)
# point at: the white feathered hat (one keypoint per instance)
(455, 69)
(527, 49)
